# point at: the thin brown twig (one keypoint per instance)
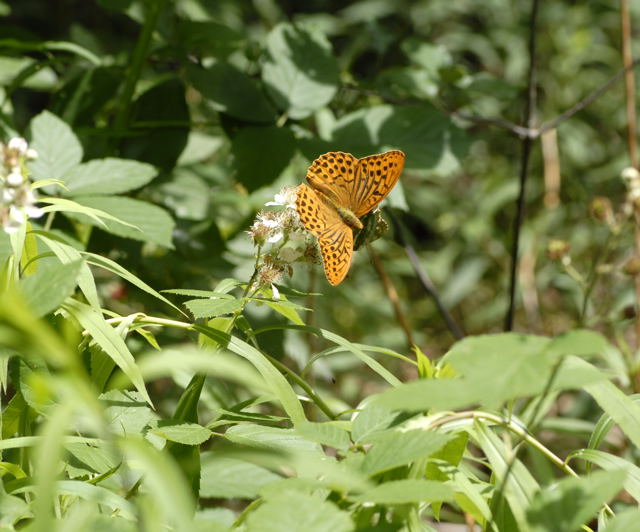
(527, 143)
(392, 294)
(423, 276)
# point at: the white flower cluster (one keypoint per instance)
(17, 200)
(281, 239)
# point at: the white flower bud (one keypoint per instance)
(17, 215)
(15, 179)
(275, 292)
(630, 174)
(18, 144)
(32, 154)
(8, 195)
(33, 211)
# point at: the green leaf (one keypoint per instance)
(249, 146)
(298, 512)
(58, 148)
(127, 412)
(184, 433)
(112, 266)
(149, 222)
(610, 462)
(572, 502)
(276, 382)
(228, 477)
(163, 481)
(231, 91)
(406, 491)
(301, 72)
(395, 448)
(273, 438)
(622, 409)
(624, 521)
(371, 420)
(428, 137)
(519, 485)
(109, 340)
(327, 433)
(68, 254)
(45, 290)
(208, 308)
(209, 38)
(163, 129)
(107, 176)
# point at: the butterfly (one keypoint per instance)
(341, 189)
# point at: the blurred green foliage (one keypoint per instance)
(170, 124)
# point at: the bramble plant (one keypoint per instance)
(171, 356)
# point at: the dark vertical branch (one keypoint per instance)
(527, 143)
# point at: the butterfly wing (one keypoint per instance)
(334, 236)
(375, 176)
(334, 174)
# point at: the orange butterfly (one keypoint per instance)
(341, 190)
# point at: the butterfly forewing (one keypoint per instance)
(333, 174)
(376, 175)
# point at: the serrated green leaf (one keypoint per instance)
(406, 491)
(228, 477)
(144, 221)
(58, 148)
(298, 512)
(395, 448)
(107, 176)
(326, 433)
(572, 502)
(371, 420)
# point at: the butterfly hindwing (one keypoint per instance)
(336, 245)
(334, 236)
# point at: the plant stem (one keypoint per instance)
(527, 143)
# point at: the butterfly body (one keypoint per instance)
(342, 189)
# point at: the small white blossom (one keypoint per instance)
(18, 144)
(290, 255)
(15, 179)
(275, 292)
(31, 154)
(285, 198)
(276, 237)
(17, 199)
